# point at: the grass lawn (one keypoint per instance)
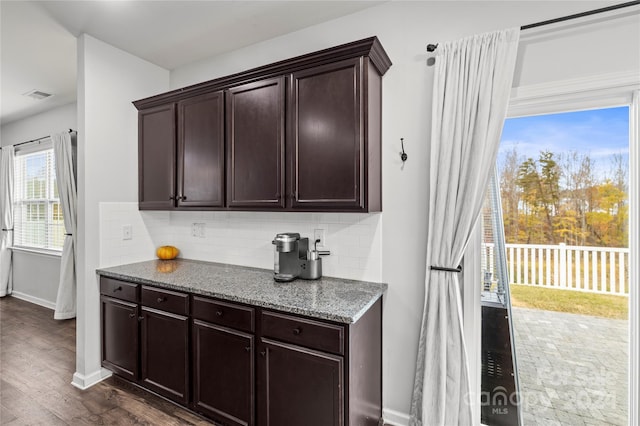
(574, 302)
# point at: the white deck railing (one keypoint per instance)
(590, 269)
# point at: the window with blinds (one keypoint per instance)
(37, 214)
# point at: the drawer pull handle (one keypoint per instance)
(131, 315)
(161, 299)
(297, 331)
(219, 313)
(247, 348)
(117, 289)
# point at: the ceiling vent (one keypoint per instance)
(37, 95)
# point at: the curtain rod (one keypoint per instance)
(38, 139)
(432, 47)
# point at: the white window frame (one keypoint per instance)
(596, 92)
(41, 146)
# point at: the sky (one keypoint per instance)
(599, 133)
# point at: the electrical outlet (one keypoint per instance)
(319, 234)
(197, 230)
(127, 232)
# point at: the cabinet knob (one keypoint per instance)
(219, 313)
(117, 289)
(140, 318)
(161, 299)
(172, 198)
(297, 331)
(184, 198)
(247, 348)
(263, 353)
(132, 315)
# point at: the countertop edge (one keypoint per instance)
(249, 301)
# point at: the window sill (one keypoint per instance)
(43, 252)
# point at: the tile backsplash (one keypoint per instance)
(241, 238)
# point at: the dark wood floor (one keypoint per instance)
(37, 362)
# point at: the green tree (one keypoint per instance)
(608, 221)
(539, 182)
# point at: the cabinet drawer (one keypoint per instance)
(119, 289)
(165, 300)
(223, 313)
(303, 332)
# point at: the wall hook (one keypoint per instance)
(403, 155)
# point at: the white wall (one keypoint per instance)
(108, 80)
(35, 276)
(53, 121)
(405, 28)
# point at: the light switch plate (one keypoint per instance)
(127, 232)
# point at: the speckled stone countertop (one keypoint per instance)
(328, 298)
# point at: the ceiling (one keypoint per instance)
(38, 38)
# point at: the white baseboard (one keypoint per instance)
(395, 418)
(83, 382)
(33, 299)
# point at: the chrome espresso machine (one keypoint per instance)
(293, 258)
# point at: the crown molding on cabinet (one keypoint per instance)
(370, 47)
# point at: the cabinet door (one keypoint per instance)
(164, 354)
(157, 157)
(119, 321)
(326, 136)
(223, 377)
(299, 386)
(255, 144)
(201, 151)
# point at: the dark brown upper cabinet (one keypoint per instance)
(326, 139)
(255, 145)
(157, 157)
(302, 134)
(201, 151)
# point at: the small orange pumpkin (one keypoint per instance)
(167, 252)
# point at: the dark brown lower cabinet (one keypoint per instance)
(120, 336)
(241, 365)
(164, 352)
(223, 375)
(299, 386)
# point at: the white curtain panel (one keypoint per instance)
(66, 299)
(472, 84)
(6, 219)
